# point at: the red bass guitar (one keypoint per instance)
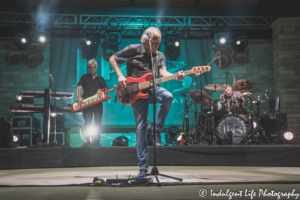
(136, 86)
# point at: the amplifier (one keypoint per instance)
(60, 137)
(21, 121)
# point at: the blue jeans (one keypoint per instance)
(140, 111)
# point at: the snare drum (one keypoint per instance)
(233, 124)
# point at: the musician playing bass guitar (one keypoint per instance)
(92, 84)
(139, 63)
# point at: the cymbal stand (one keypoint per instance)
(186, 116)
(210, 118)
(201, 122)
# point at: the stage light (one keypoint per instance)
(113, 34)
(179, 138)
(92, 130)
(254, 124)
(173, 40)
(288, 135)
(22, 40)
(239, 43)
(53, 114)
(91, 41)
(15, 138)
(120, 141)
(19, 97)
(42, 39)
(221, 39)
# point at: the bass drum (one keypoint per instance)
(234, 124)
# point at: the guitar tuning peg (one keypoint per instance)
(200, 65)
(204, 64)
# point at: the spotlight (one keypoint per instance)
(91, 41)
(221, 39)
(254, 124)
(288, 135)
(239, 43)
(120, 141)
(179, 138)
(92, 130)
(15, 138)
(18, 97)
(173, 40)
(42, 37)
(53, 114)
(22, 40)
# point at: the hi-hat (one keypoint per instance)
(215, 87)
(206, 99)
(243, 85)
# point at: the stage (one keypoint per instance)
(76, 183)
(212, 155)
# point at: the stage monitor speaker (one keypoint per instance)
(5, 133)
(60, 137)
(274, 126)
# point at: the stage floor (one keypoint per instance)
(76, 183)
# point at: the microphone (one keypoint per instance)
(149, 34)
(263, 92)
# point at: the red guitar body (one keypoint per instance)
(132, 93)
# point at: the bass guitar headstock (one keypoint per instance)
(200, 69)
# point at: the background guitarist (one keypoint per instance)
(91, 84)
(139, 63)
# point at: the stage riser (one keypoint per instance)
(285, 156)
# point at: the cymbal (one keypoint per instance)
(247, 93)
(243, 84)
(260, 101)
(215, 87)
(196, 96)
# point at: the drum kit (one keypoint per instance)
(226, 122)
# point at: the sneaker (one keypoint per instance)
(143, 172)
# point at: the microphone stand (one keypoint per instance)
(154, 171)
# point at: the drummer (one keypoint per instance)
(228, 94)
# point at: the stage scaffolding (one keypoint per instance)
(132, 25)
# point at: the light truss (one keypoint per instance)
(136, 22)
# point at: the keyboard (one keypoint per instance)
(38, 94)
(37, 108)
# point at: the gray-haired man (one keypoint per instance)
(138, 59)
(91, 84)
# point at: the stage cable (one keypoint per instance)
(217, 56)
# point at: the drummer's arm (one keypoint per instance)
(242, 98)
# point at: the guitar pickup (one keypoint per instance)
(120, 92)
(135, 87)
